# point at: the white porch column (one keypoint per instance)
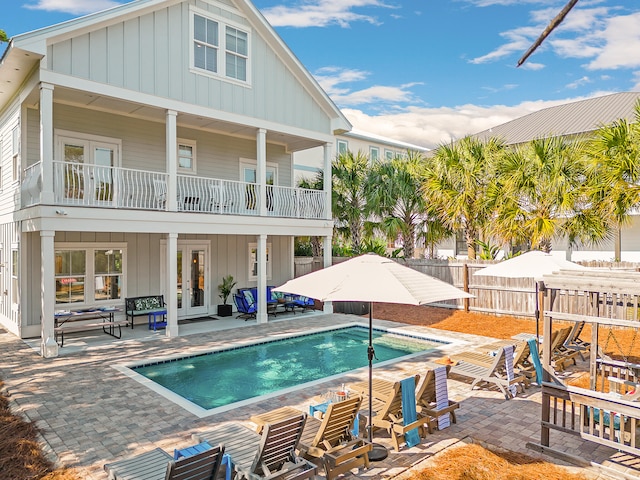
(261, 169)
(46, 143)
(48, 345)
(172, 286)
(328, 147)
(172, 160)
(327, 257)
(262, 316)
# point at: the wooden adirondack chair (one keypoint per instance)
(160, 465)
(387, 409)
(332, 442)
(427, 397)
(493, 373)
(265, 456)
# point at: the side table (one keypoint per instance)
(153, 320)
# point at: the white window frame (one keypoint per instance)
(253, 261)
(374, 158)
(15, 277)
(15, 154)
(89, 142)
(222, 51)
(389, 154)
(343, 147)
(191, 144)
(90, 275)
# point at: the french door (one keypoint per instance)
(249, 175)
(193, 278)
(88, 169)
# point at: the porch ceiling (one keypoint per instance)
(14, 68)
(122, 107)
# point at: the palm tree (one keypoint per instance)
(456, 184)
(614, 170)
(393, 191)
(540, 194)
(314, 183)
(348, 205)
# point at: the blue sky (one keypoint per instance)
(427, 71)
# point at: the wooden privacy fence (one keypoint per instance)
(495, 295)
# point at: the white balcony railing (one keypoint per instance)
(112, 187)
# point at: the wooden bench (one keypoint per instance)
(68, 322)
(138, 306)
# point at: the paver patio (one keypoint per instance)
(90, 413)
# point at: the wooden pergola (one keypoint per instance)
(609, 301)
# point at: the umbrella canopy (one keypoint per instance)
(372, 278)
(534, 264)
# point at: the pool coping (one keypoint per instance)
(200, 412)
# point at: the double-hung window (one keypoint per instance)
(15, 159)
(88, 275)
(220, 48)
(343, 147)
(205, 43)
(237, 53)
(253, 261)
(374, 154)
(186, 156)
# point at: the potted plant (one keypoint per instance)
(225, 289)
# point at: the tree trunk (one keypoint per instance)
(471, 244)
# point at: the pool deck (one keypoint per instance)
(91, 413)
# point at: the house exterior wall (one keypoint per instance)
(228, 255)
(143, 143)
(8, 122)
(151, 54)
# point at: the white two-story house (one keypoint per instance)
(147, 149)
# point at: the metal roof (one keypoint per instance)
(570, 119)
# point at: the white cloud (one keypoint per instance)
(636, 79)
(579, 82)
(532, 66)
(591, 32)
(334, 79)
(321, 13)
(429, 127)
(74, 7)
(518, 40)
(621, 45)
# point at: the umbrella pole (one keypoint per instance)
(378, 452)
(537, 317)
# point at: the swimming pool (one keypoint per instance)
(224, 377)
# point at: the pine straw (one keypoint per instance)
(20, 455)
(619, 343)
(473, 462)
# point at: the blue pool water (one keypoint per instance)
(220, 378)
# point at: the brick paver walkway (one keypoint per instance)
(91, 413)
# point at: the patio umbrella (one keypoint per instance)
(372, 278)
(534, 264)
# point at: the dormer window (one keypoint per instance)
(220, 48)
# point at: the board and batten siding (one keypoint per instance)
(151, 54)
(143, 143)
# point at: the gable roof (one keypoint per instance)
(25, 50)
(569, 119)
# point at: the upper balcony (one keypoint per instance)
(78, 184)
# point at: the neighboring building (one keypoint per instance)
(375, 147)
(575, 120)
(147, 149)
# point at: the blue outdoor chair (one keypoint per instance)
(246, 304)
